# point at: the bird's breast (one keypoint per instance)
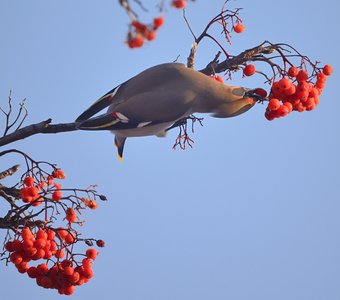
(144, 129)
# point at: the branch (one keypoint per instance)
(253, 54)
(42, 127)
(9, 171)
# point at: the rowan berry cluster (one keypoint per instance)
(140, 32)
(31, 192)
(58, 268)
(39, 248)
(296, 92)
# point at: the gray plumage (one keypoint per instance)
(155, 99)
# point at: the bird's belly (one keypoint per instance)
(143, 131)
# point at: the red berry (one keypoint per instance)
(87, 263)
(57, 195)
(321, 77)
(140, 27)
(59, 253)
(239, 27)
(291, 90)
(33, 272)
(293, 71)
(302, 95)
(50, 234)
(158, 22)
(69, 290)
(17, 245)
(91, 253)
(32, 191)
(285, 84)
(42, 269)
(327, 70)
(100, 243)
(62, 232)
(269, 115)
(74, 278)
(29, 181)
(26, 233)
(39, 254)
(138, 41)
(316, 100)
(289, 106)
(27, 243)
(249, 70)
(179, 3)
(71, 215)
(274, 104)
(69, 239)
(58, 174)
(30, 252)
(261, 92)
(302, 76)
(41, 234)
(320, 84)
(299, 107)
(283, 111)
(151, 35)
(22, 267)
(88, 273)
(9, 246)
(68, 271)
(40, 243)
(310, 104)
(16, 258)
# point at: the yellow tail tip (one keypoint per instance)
(120, 158)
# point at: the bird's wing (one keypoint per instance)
(144, 82)
(143, 110)
(158, 95)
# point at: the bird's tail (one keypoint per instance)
(99, 105)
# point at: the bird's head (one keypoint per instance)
(238, 100)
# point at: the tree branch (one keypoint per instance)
(9, 171)
(42, 127)
(234, 62)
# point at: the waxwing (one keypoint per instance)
(154, 100)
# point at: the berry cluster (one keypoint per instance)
(140, 32)
(296, 92)
(46, 244)
(30, 193)
(51, 249)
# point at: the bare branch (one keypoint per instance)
(21, 114)
(42, 127)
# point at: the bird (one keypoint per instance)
(153, 101)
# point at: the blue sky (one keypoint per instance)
(251, 212)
